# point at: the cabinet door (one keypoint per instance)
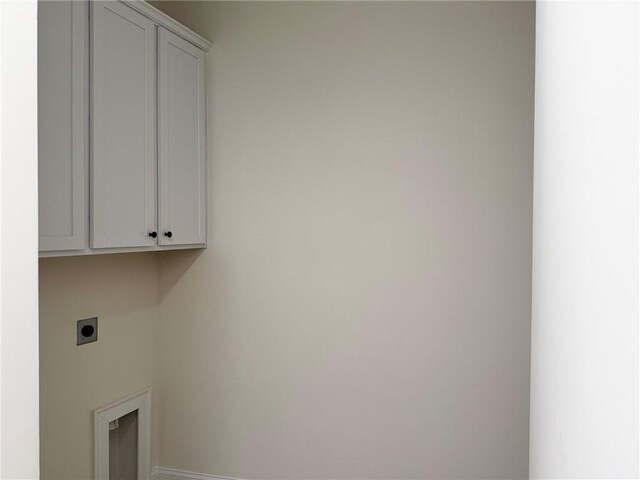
(123, 127)
(62, 123)
(182, 195)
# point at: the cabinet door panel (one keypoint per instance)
(123, 127)
(62, 121)
(182, 195)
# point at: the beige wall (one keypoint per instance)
(122, 290)
(363, 308)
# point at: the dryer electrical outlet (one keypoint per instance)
(87, 330)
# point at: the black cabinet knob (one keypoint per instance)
(153, 234)
(168, 234)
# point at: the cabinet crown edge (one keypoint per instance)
(169, 23)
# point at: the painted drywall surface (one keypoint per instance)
(122, 290)
(363, 308)
(18, 241)
(584, 390)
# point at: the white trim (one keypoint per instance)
(141, 402)
(164, 473)
(169, 23)
(19, 413)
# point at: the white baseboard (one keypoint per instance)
(163, 473)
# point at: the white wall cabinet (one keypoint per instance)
(62, 122)
(123, 160)
(182, 153)
(122, 147)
